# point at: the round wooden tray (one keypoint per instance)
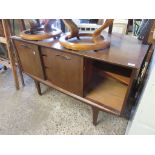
(40, 35)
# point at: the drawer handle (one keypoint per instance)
(23, 45)
(64, 57)
(28, 48)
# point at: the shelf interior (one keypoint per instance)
(123, 79)
(107, 92)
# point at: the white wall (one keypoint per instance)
(144, 119)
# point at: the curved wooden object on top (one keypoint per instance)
(74, 31)
(37, 33)
(96, 41)
(40, 36)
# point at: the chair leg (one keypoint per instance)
(38, 87)
(95, 115)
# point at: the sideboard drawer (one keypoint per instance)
(64, 70)
(30, 58)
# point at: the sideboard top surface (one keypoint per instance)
(124, 50)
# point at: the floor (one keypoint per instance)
(25, 112)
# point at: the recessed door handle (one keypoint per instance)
(64, 57)
(25, 46)
(67, 57)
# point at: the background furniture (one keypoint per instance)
(8, 61)
(82, 74)
(119, 26)
(151, 36)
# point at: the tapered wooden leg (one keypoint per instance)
(95, 115)
(21, 76)
(38, 87)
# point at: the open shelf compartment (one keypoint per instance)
(107, 85)
(108, 92)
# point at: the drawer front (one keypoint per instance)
(64, 70)
(30, 58)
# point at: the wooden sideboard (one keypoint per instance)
(103, 79)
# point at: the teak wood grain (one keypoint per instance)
(124, 50)
(109, 93)
(64, 70)
(89, 102)
(76, 73)
(30, 58)
(122, 79)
